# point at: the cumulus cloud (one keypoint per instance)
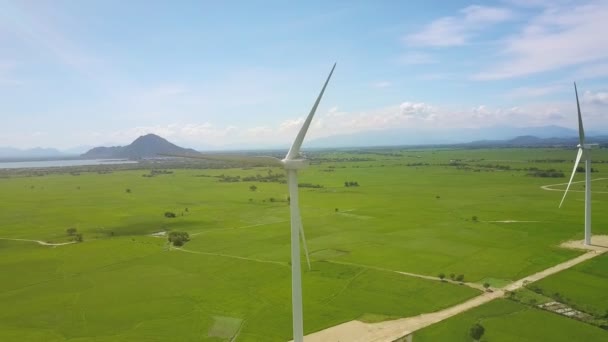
(598, 98)
(406, 115)
(558, 37)
(416, 110)
(457, 30)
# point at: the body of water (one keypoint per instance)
(62, 163)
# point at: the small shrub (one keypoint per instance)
(477, 331)
(169, 214)
(178, 239)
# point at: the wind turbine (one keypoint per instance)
(584, 152)
(292, 162)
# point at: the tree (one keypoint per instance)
(452, 276)
(441, 276)
(336, 209)
(71, 231)
(477, 331)
(460, 277)
(474, 218)
(78, 237)
(178, 238)
(253, 188)
(169, 214)
(128, 190)
(486, 285)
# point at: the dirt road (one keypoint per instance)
(388, 331)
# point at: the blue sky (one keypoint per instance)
(244, 73)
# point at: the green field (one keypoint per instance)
(508, 321)
(413, 212)
(583, 287)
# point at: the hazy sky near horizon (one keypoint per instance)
(242, 73)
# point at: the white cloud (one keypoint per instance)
(538, 91)
(407, 115)
(598, 98)
(591, 71)
(415, 58)
(416, 110)
(457, 30)
(537, 3)
(381, 84)
(557, 38)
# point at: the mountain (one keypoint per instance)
(147, 146)
(38, 152)
(396, 137)
(532, 141)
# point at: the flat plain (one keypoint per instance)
(478, 213)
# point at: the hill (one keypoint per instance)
(38, 152)
(146, 146)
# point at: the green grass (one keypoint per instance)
(125, 287)
(121, 284)
(507, 321)
(583, 286)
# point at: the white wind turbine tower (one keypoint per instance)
(584, 152)
(292, 162)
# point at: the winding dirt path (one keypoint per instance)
(230, 256)
(388, 331)
(409, 274)
(43, 243)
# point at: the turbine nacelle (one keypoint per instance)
(295, 164)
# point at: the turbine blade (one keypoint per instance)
(578, 159)
(297, 144)
(581, 131)
(252, 160)
(304, 244)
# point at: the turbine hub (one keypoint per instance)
(294, 164)
(586, 146)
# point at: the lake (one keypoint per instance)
(62, 163)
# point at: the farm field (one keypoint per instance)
(470, 212)
(505, 320)
(582, 287)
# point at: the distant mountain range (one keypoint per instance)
(398, 137)
(151, 145)
(38, 152)
(532, 141)
(147, 146)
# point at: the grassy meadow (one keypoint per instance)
(470, 212)
(582, 287)
(506, 321)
